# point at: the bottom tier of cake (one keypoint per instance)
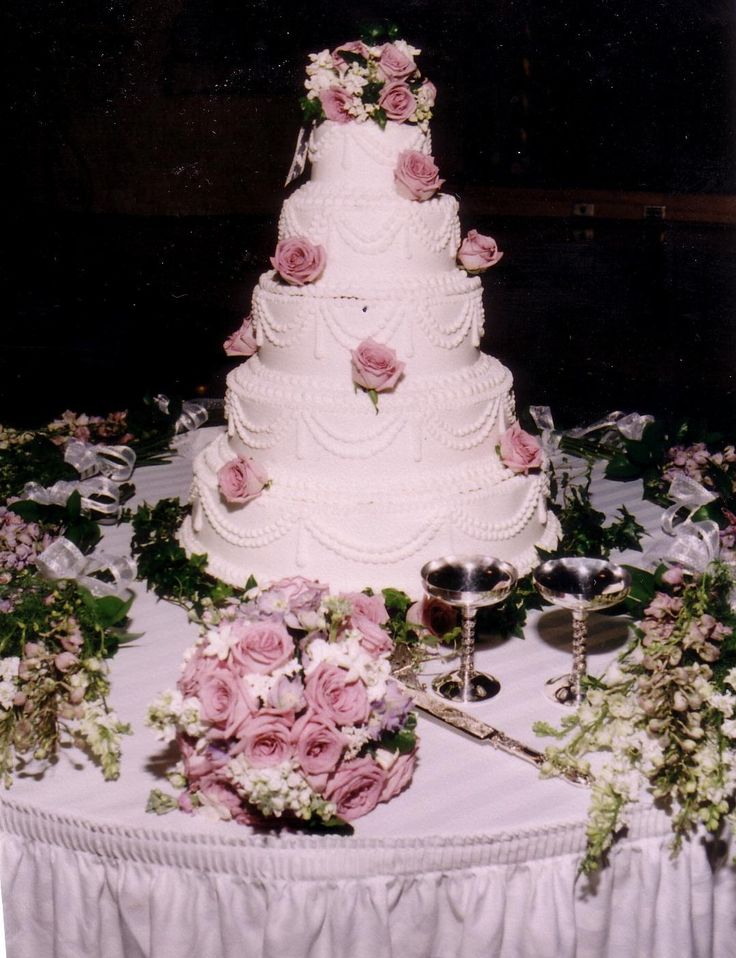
(379, 537)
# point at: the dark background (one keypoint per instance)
(148, 143)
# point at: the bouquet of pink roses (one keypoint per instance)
(286, 709)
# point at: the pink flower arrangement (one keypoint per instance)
(416, 176)
(519, 451)
(243, 341)
(376, 368)
(478, 253)
(241, 480)
(297, 261)
(283, 712)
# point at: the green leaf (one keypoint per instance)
(111, 609)
(643, 587)
(380, 117)
(350, 56)
(312, 111)
(620, 467)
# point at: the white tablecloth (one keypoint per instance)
(478, 857)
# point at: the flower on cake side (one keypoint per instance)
(519, 451)
(297, 261)
(376, 368)
(286, 711)
(241, 480)
(416, 176)
(243, 341)
(478, 253)
(357, 81)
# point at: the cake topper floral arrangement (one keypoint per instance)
(359, 81)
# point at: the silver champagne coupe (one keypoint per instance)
(582, 585)
(468, 582)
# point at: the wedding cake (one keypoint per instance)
(367, 433)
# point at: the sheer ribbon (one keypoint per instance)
(63, 560)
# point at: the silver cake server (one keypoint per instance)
(461, 720)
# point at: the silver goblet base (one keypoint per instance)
(476, 687)
(562, 691)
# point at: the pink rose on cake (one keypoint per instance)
(336, 105)
(241, 480)
(397, 101)
(376, 368)
(350, 46)
(243, 341)
(297, 261)
(477, 252)
(416, 176)
(394, 63)
(519, 451)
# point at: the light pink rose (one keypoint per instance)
(372, 606)
(262, 646)
(297, 261)
(241, 480)
(303, 595)
(375, 366)
(428, 93)
(221, 794)
(397, 101)
(432, 614)
(336, 103)
(399, 775)
(356, 787)
(394, 64)
(265, 740)
(198, 765)
(224, 702)
(416, 175)
(194, 672)
(519, 451)
(243, 341)
(318, 744)
(375, 640)
(334, 697)
(287, 695)
(351, 46)
(477, 252)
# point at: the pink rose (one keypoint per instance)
(519, 451)
(477, 252)
(220, 795)
(372, 606)
(195, 671)
(335, 698)
(303, 595)
(297, 261)
(375, 640)
(416, 175)
(356, 787)
(318, 744)
(375, 366)
(198, 765)
(262, 646)
(265, 740)
(224, 702)
(241, 480)
(394, 64)
(397, 101)
(351, 46)
(336, 104)
(432, 614)
(399, 775)
(243, 341)
(287, 695)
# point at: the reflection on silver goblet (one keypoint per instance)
(581, 585)
(468, 582)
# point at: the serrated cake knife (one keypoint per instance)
(461, 720)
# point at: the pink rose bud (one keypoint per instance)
(336, 105)
(243, 341)
(297, 261)
(351, 46)
(519, 451)
(397, 101)
(673, 575)
(477, 252)
(416, 176)
(394, 64)
(241, 480)
(375, 366)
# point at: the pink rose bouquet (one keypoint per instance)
(243, 341)
(297, 261)
(478, 253)
(241, 480)
(416, 176)
(376, 368)
(519, 451)
(286, 710)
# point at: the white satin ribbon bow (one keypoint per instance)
(63, 560)
(99, 495)
(115, 462)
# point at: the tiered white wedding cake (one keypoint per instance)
(363, 436)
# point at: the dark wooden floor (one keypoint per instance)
(590, 316)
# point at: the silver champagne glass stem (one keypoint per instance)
(579, 643)
(467, 650)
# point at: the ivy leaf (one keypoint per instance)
(380, 117)
(312, 111)
(111, 610)
(643, 587)
(621, 468)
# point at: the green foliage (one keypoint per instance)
(508, 618)
(375, 32)
(312, 111)
(380, 117)
(39, 460)
(67, 520)
(404, 740)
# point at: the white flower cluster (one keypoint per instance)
(102, 732)
(277, 789)
(8, 684)
(170, 713)
(350, 655)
